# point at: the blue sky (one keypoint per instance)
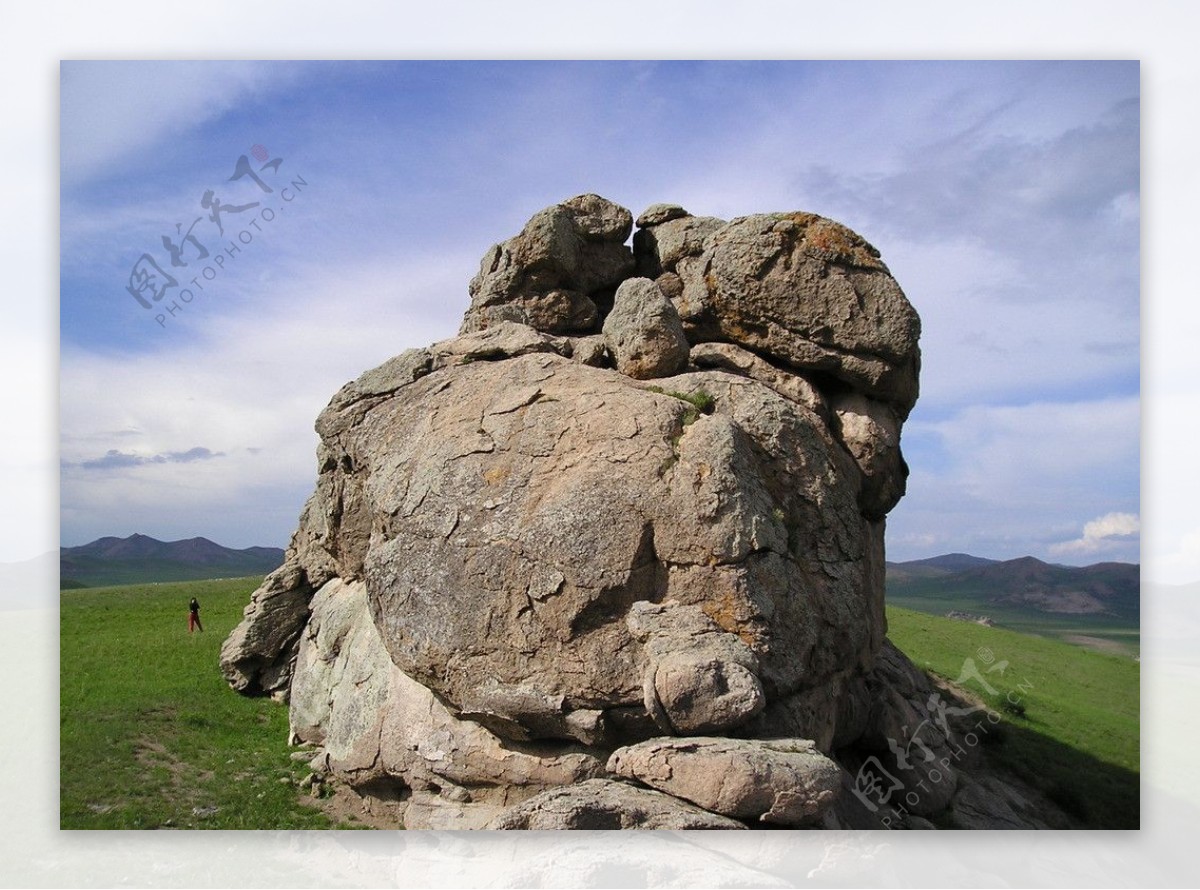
(1004, 197)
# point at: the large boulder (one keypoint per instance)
(375, 725)
(698, 677)
(644, 333)
(636, 499)
(668, 234)
(256, 657)
(806, 292)
(519, 507)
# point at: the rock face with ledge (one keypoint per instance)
(636, 506)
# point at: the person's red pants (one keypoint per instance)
(194, 622)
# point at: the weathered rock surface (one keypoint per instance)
(550, 275)
(871, 432)
(793, 387)
(506, 512)
(375, 724)
(256, 656)
(644, 333)
(986, 802)
(916, 738)
(809, 293)
(669, 236)
(698, 677)
(659, 213)
(783, 781)
(605, 804)
(637, 498)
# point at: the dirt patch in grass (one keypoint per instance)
(150, 753)
(1099, 644)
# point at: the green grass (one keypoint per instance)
(1079, 737)
(150, 734)
(152, 737)
(701, 402)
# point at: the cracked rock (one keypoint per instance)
(633, 511)
(782, 781)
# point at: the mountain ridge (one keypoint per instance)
(140, 558)
(1025, 593)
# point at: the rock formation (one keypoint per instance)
(613, 556)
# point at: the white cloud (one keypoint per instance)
(997, 326)
(110, 109)
(247, 386)
(980, 345)
(1037, 452)
(1012, 481)
(1098, 534)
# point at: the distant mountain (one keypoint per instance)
(1105, 588)
(936, 566)
(140, 558)
(1023, 593)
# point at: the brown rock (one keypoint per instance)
(378, 727)
(871, 432)
(660, 213)
(783, 781)
(644, 332)
(808, 292)
(604, 804)
(661, 247)
(518, 559)
(549, 275)
(699, 678)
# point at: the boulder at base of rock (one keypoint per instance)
(784, 781)
(605, 804)
(257, 656)
(378, 727)
(988, 804)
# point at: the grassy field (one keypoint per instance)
(152, 737)
(1078, 736)
(150, 734)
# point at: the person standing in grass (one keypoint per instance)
(194, 616)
